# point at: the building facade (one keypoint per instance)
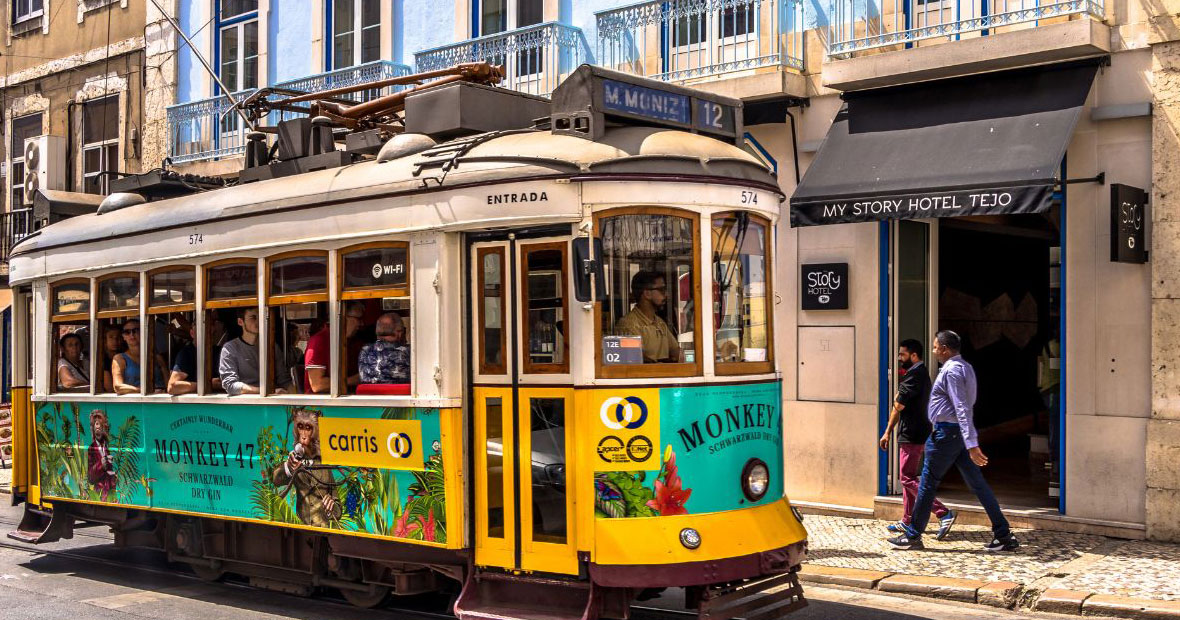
(1074, 350)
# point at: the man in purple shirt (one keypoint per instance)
(954, 442)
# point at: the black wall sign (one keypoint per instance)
(1128, 224)
(825, 286)
(920, 205)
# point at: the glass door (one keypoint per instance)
(521, 404)
(914, 312)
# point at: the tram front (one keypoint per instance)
(626, 404)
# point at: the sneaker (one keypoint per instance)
(945, 523)
(896, 528)
(1007, 543)
(905, 542)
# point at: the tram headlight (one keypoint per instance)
(755, 479)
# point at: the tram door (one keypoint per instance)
(522, 404)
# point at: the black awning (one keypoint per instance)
(976, 145)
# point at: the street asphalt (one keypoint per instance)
(87, 577)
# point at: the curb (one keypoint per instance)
(1000, 594)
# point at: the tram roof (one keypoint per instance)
(518, 156)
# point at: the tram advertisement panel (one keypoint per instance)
(373, 470)
(703, 439)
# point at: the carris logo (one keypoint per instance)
(399, 445)
(619, 413)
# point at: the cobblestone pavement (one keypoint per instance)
(1060, 560)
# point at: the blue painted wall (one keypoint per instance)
(290, 40)
(420, 25)
(190, 76)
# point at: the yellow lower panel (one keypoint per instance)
(656, 540)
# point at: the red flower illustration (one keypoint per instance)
(402, 527)
(670, 497)
(428, 529)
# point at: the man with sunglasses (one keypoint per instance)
(649, 290)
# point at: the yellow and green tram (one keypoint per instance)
(540, 374)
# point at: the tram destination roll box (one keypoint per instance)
(592, 97)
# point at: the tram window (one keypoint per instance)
(544, 297)
(494, 453)
(547, 444)
(122, 355)
(298, 295)
(492, 335)
(741, 293)
(70, 303)
(230, 285)
(111, 344)
(296, 275)
(171, 330)
(651, 293)
(119, 293)
(374, 331)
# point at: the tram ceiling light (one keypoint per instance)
(755, 479)
(690, 538)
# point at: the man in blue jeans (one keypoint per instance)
(954, 442)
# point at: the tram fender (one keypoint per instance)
(39, 525)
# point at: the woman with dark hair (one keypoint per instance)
(112, 345)
(71, 366)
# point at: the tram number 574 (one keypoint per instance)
(196, 239)
(749, 198)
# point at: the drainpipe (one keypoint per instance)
(794, 147)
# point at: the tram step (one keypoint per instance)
(39, 526)
(765, 599)
(498, 597)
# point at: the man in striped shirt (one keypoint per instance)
(954, 442)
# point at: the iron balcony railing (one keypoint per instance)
(206, 129)
(535, 58)
(677, 40)
(857, 25)
(14, 226)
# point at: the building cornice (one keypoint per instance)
(73, 61)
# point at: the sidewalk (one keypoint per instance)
(1052, 571)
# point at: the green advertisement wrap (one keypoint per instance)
(707, 435)
(267, 463)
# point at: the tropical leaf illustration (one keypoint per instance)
(125, 445)
(268, 504)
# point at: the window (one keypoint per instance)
(121, 333)
(356, 32)
(652, 292)
(171, 336)
(738, 20)
(23, 10)
(496, 16)
(23, 128)
(543, 296)
(70, 323)
(100, 143)
(238, 44)
(493, 337)
(741, 294)
(374, 332)
(299, 327)
(231, 291)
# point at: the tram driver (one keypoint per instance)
(649, 289)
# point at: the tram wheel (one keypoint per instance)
(207, 573)
(369, 599)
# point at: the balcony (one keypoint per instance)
(862, 25)
(207, 129)
(14, 226)
(536, 58)
(682, 40)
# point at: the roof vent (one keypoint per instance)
(404, 144)
(120, 200)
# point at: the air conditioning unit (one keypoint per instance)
(45, 165)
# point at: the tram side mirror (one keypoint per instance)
(586, 269)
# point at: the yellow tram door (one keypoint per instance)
(521, 401)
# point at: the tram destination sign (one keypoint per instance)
(1128, 221)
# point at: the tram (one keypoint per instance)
(526, 357)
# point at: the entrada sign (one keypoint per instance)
(825, 286)
(1128, 224)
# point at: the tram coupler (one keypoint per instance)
(772, 597)
(39, 525)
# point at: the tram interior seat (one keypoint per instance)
(383, 389)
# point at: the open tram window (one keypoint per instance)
(648, 323)
(543, 295)
(70, 318)
(171, 331)
(231, 288)
(374, 332)
(118, 314)
(741, 294)
(297, 300)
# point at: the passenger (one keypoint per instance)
(388, 359)
(217, 336)
(317, 358)
(71, 366)
(112, 345)
(183, 379)
(125, 368)
(238, 365)
(650, 292)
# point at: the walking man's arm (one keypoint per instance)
(957, 390)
